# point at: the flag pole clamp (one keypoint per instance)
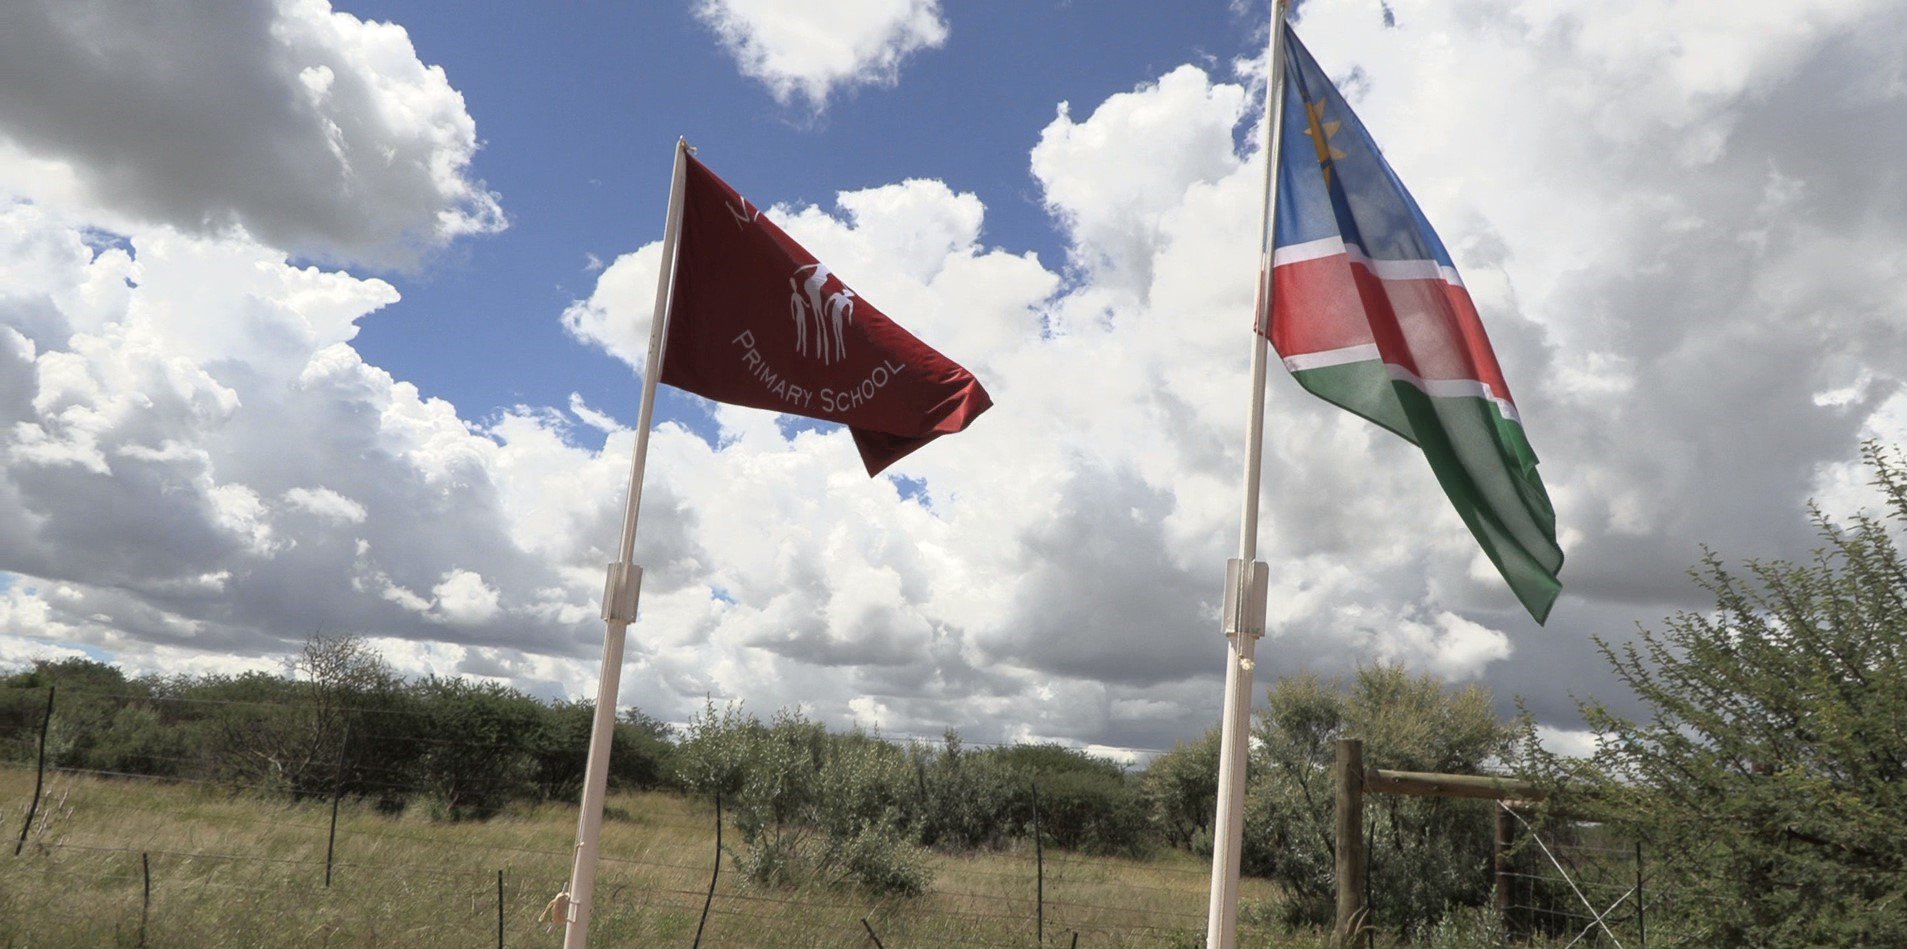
(620, 590)
(1247, 587)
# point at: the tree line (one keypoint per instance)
(340, 721)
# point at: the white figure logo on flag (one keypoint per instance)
(820, 318)
(744, 215)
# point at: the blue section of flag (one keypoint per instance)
(1344, 188)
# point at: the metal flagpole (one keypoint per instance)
(620, 591)
(1246, 577)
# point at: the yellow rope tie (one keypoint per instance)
(557, 913)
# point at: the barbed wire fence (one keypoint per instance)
(204, 851)
(1577, 882)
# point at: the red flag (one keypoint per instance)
(757, 321)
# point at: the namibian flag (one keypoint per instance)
(1369, 313)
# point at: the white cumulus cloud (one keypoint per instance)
(301, 126)
(811, 50)
(464, 599)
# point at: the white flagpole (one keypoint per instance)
(620, 592)
(1246, 577)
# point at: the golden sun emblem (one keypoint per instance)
(1321, 133)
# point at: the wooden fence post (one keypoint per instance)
(1351, 866)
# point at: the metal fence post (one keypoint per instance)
(39, 779)
(1642, 922)
(1039, 865)
(338, 793)
(1505, 840)
(709, 902)
(145, 903)
(1370, 904)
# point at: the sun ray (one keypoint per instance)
(1321, 133)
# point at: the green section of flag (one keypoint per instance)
(1362, 387)
(1480, 457)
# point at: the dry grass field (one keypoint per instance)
(232, 871)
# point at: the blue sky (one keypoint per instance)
(578, 106)
(295, 295)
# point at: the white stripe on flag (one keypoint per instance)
(1435, 388)
(1366, 352)
(1383, 269)
(1452, 389)
(1309, 250)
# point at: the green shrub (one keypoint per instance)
(879, 859)
(1094, 812)
(1180, 789)
(90, 696)
(643, 756)
(1770, 771)
(967, 800)
(1429, 855)
(1466, 927)
(139, 741)
(714, 756)
(483, 759)
(810, 808)
(1087, 803)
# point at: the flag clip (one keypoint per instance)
(1246, 590)
(620, 590)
